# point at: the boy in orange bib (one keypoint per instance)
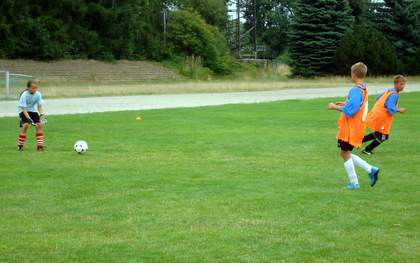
(352, 126)
(382, 115)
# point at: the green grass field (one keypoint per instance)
(236, 183)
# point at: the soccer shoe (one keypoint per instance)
(40, 148)
(353, 186)
(373, 176)
(20, 148)
(367, 152)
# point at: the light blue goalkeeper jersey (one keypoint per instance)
(30, 101)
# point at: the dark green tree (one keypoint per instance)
(366, 11)
(107, 29)
(369, 45)
(401, 26)
(315, 33)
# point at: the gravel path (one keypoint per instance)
(105, 104)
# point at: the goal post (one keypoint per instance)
(13, 82)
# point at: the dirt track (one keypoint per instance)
(106, 104)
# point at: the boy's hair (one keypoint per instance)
(360, 70)
(31, 82)
(399, 78)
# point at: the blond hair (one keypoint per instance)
(399, 78)
(360, 70)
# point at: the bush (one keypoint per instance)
(370, 46)
(190, 35)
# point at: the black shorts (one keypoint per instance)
(345, 146)
(34, 116)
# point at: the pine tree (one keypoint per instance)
(315, 33)
(401, 26)
(369, 45)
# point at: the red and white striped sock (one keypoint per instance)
(40, 140)
(21, 140)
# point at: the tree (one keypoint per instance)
(190, 35)
(109, 29)
(273, 19)
(362, 10)
(213, 11)
(366, 44)
(315, 33)
(401, 26)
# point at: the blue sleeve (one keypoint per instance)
(354, 102)
(22, 100)
(391, 104)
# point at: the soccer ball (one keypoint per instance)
(81, 147)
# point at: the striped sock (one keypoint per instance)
(40, 140)
(21, 140)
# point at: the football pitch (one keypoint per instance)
(236, 183)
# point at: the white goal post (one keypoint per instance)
(7, 76)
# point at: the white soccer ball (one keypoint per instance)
(81, 147)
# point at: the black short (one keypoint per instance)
(345, 146)
(34, 116)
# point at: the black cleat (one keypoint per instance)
(40, 148)
(20, 148)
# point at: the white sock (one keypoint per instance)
(359, 162)
(351, 172)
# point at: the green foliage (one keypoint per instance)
(273, 19)
(120, 29)
(190, 35)
(368, 45)
(401, 25)
(413, 66)
(213, 11)
(315, 33)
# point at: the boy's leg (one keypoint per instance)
(22, 135)
(378, 139)
(39, 137)
(369, 137)
(349, 167)
(371, 170)
(359, 162)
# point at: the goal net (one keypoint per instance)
(12, 84)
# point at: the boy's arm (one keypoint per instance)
(351, 106)
(335, 106)
(41, 110)
(25, 112)
(22, 104)
(40, 105)
(392, 105)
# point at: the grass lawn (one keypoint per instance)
(237, 183)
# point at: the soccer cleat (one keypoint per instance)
(373, 176)
(367, 152)
(353, 186)
(20, 148)
(40, 148)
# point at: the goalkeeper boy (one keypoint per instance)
(31, 112)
